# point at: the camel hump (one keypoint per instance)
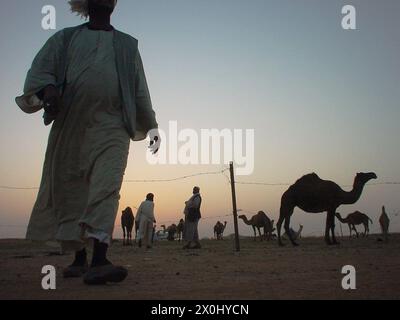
(360, 214)
(311, 178)
(261, 213)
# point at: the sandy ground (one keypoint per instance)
(262, 270)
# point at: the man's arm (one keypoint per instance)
(196, 202)
(139, 214)
(145, 114)
(41, 81)
(144, 109)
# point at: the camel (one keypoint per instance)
(356, 218)
(384, 222)
(179, 229)
(312, 194)
(260, 220)
(295, 234)
(127, 222)
(219, 230)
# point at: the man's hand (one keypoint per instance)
(51, 100)
(155, 141)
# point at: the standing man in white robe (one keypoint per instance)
(145, 219)
(90, 80)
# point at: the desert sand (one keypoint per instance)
(261, 270)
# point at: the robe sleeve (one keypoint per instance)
(145, 114)
(196, 202)
(139, 213)
(43, 72)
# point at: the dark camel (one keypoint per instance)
(219, 229)
(260, 220)
(312, 194)
(354, 219)
(179, 229)
(127, 222)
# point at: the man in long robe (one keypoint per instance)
(145, 219)
(191, 232)
(90, 80)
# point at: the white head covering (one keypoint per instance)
(81, 7)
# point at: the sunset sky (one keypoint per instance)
(320, 99)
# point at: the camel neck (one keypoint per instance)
(353, 195)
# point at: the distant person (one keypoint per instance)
(90, 81)
(145, 219)
(384, 222)
(192, 218)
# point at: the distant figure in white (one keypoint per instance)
(295, 234)
(384, 221)
(145, 220)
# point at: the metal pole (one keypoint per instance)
(235, 220)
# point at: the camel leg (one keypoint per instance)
(350, 229)
(287, 230)
(286, 211)
(354, 227)
(366, 229)
(278, 228)
(259, 233)
(255, 234)
(328, 227)
(130, 237)
(332, 226)
(123, 231)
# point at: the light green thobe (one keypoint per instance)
(89, 141)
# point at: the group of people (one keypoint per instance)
(145, 220)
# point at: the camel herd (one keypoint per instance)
(312, 194)
(309, 193)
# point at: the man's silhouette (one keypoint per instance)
(90, 81)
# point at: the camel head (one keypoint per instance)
(337, 214)
(362, 178)
(243, 217)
